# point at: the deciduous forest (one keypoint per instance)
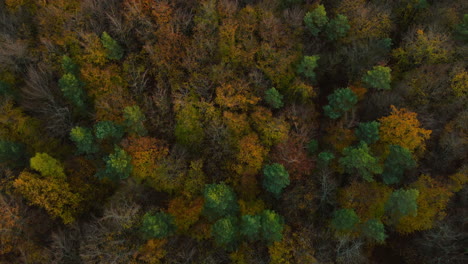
(233, 131)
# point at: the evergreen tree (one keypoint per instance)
(114, 50)
(374, 229)
(157, 225)
(68, 66)
(398, 160)
(84, 140)
(312, 146)
(378, 78)
(344, 220)
(220, 201)
(272, 226)
(12, 154)
(308, 65)
(108, 129)
(324, 158)
(250, 227)
(461, 30)
(316, 20)
(72, 89)
(275, 178)
(134, 120)
(402, 203)
(274, 98)
(118, 165)
(359, 159)
(339, 102)
(225, 232)
(337, 27)
(368, 132)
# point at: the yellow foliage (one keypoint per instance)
(459, 84)
(272, 130)
(235, 96)
(250, 155)
(458, 180)
(237, 124)
(295, 247)
(251, 207)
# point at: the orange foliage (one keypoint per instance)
(358, 90)
(295, 247)
(235, 96)
(402, 128)
(153, 251)
(186, 212)
(250, 155)
(237, 124)
(9, 223)
(339, 138)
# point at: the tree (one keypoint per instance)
(84, 140)
(324, 158)
(12, 154)
(312, 146)
(69, 66)
(344, 220)
(461, 30)
(220, 201)
(307, 66)
(402, 128)
(316, 20)
(47, 166)
(274, 98)
(108, 130)
(72, 89)
(359, 160)
(368, 132)
(118, 165)
(225, 232)
(374, 229)
(378, 78)
(134, 120)
(275, 178)
(113, 49)
(272, 226)
(186, 212)
(402, 203)
(250, 227)
(189, 129)
(157, 225)
(339, 102)
(398, 160)
(337, 27)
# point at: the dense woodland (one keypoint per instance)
(233, 131)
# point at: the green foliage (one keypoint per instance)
(220, 201)
(339, 102)
(402, 203)
(134, 120)
(374, 229)
(47, 165)
(118, 165)
(69, 66)
(250, 227)
(312, 146)
(344, 220)
(12, 154)
(337, 27)
(274, 98)
(307, 66)
(84, 140)
(225, 232)
(189, 129)
(275, 178)
(113, 49)
(324, 158)
(316, 20)
(378, 78)
(368, 132)
(5, 89)
(108, 129)
(359, 160)
(272, 226)
(461, 30)
(72, 89)
(157, 225)
(398, 160)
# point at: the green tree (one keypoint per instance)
(308, 65)
(324, 158)
(339, 102)
(108, 129)
(220, 201)
(84, 140)
(398, 160)
(344, 220)
(5, 89)
(359, 160)
(72, 89)
(402, 203)
(118, 165)
(378, 78)
(225, 232)
(157, 225)
(69, 66)
(113, 49)
(312, 146)
(316, 20)
(47, 165)
(368, 132)
(272, 225)
(374, 229)
(250, 227)
(189, 130)
(134, 120)
(337, 27)
(461, 30)
(274, 98)
(275, 178)
(12, 154)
